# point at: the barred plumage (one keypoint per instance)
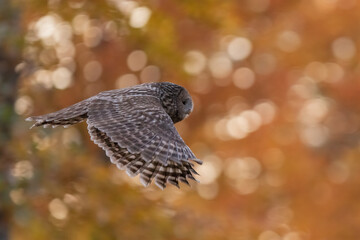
(134, 126)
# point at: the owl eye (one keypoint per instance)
(185, 101)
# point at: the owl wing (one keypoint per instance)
(67, 116)
(139, 136)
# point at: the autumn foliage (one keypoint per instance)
(276, 89)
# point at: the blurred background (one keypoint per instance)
(276, 87)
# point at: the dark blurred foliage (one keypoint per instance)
(276, 121)
(10, 53)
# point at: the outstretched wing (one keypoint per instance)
(139, 136)
(66, 116)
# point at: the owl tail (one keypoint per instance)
(64, 117)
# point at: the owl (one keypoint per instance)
(135, 128)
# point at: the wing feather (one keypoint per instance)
(139, 136)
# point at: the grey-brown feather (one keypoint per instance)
(134, 126)
(67, 116)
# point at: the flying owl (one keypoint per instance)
(135, 127)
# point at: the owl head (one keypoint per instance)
(176, 101)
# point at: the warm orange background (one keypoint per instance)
(276, 86)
